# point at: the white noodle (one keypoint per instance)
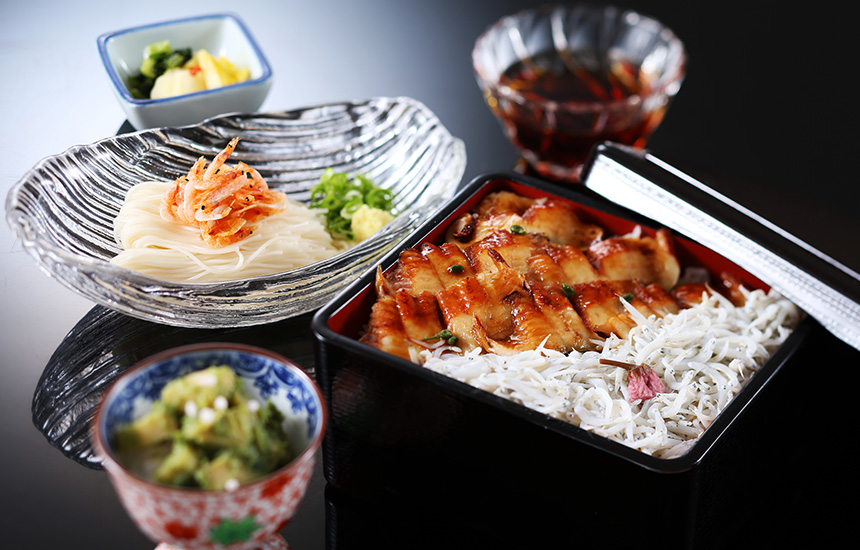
(704, 355)
(171, 251)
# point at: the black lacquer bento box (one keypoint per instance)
(406, 435)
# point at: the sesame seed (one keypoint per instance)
(190, 409)
(207, 415)
(221, 403)
(206, 380)
(253, 405)
(231, 484)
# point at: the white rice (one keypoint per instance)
(704, 355)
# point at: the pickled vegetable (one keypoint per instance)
(165, 72)
(205, 432)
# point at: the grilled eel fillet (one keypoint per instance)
(553, 278)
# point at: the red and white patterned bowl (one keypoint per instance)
(249, 517)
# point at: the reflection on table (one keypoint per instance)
(791, 473)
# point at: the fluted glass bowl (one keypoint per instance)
(563, 78)
(63, 209)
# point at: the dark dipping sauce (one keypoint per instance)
(568, 108)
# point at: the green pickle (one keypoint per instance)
(158, 57)
(204, 432)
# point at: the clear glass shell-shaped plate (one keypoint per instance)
(63, 209)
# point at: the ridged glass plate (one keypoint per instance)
(63, 209)
(105, 343)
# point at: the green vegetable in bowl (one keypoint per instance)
(205, 432)
(158, 57)
(355, 208)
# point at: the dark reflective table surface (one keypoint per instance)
(797, 486)
(762, 117)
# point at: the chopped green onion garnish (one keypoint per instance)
(444, 334)
(456, 268)
(341, 196)
(518, 230)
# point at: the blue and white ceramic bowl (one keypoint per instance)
(202, 519)
(219, 34)
(265, 376)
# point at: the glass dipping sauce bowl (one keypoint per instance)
(563, 78)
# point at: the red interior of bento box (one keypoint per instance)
(351, 319)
